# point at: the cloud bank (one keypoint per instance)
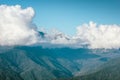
(17, 28)
(99, 36)
(89, 35)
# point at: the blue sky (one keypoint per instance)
(66, 15)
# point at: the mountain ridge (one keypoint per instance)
(35, 62)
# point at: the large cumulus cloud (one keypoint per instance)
(99, 36)
(16, 27)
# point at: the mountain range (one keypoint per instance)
(38, 63)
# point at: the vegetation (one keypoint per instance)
(110, 71)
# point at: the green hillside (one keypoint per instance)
(37, 63)
(109, 71)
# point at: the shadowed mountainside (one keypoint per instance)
(37, 63)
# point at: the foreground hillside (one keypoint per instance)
(37, 63)
(109, 71)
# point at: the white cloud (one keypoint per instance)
(16, 27)
(57, 37)
(88, 35)
(99, 36)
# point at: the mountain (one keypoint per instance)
(108, 71)
(41, 34)
(38, 63)
(55, 37)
